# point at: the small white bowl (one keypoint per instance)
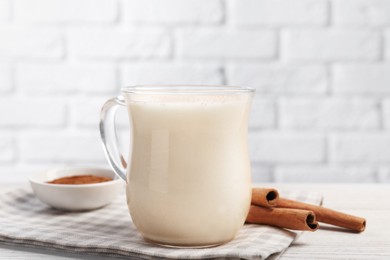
(76, 197)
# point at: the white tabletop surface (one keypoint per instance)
(371, 201)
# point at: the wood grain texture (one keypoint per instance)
(366, 200)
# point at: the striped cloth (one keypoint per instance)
(108, 231)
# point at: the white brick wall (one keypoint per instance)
(360, 148)
(5, 78)
(25, 41)
(43, 78)
(7, 149)
(84, 111)
(384, 175)
(274, 148)
(176, 73)
(226, 44)
(279, 79)
(61, 147)
(330, 45)
(279, 12)
(362, 12)
(387, 44)
(117, 43)
(173, 11)
(386, 113)
(331, 173)
(30, 112)
(5, 10)
(71, 11)
(263, 114)
(329, 113)
(365, 79)
(320, 68)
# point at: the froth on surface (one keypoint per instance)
(186, 99)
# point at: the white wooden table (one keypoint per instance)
(371, 201)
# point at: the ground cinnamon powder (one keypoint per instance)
(80, 179)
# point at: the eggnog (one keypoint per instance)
(189, 174)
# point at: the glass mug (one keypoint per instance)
(188, 176)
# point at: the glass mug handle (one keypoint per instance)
(109, 136)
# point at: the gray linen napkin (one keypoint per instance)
(108, 231)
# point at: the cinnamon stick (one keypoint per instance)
(265, 197)
(295, 219)
(326, 215)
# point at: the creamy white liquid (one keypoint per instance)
(189, 180)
